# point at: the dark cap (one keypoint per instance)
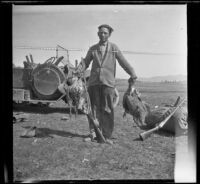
(106, 26)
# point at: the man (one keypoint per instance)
(101, 83)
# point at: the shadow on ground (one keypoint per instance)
(42, 109)
(47, 132)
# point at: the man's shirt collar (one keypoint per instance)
(103, 44)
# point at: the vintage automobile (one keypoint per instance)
(38, 83)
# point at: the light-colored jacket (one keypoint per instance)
(104, 69)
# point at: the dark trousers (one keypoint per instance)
(101, 97)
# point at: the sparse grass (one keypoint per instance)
(61, 154)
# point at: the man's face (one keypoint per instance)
(103, 34)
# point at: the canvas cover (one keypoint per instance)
(177, 124)
(144, 115)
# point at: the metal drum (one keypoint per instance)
(45, 81)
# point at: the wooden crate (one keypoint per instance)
(21, 95)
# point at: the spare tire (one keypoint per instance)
(45, 81)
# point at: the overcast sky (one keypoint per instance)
(137, 28)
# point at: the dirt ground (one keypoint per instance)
(58, 152)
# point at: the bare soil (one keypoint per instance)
(58, 152)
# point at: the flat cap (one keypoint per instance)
(107, 26)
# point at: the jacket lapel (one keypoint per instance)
(101, 60)
(106, 54)
(98, 54)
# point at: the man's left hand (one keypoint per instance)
(131, 81)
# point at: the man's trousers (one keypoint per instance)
(101, 97)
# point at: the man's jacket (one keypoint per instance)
(104, 68)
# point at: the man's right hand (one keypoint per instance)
(131, 87)
(76, 72)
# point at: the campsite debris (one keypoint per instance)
(30, 132)
(85, 160)
(64, 118)
(112, 161)
(35, 141)
(20, 117)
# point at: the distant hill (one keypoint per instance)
(164, 78)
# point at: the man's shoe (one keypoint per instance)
(88, 139)
(91, 138)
